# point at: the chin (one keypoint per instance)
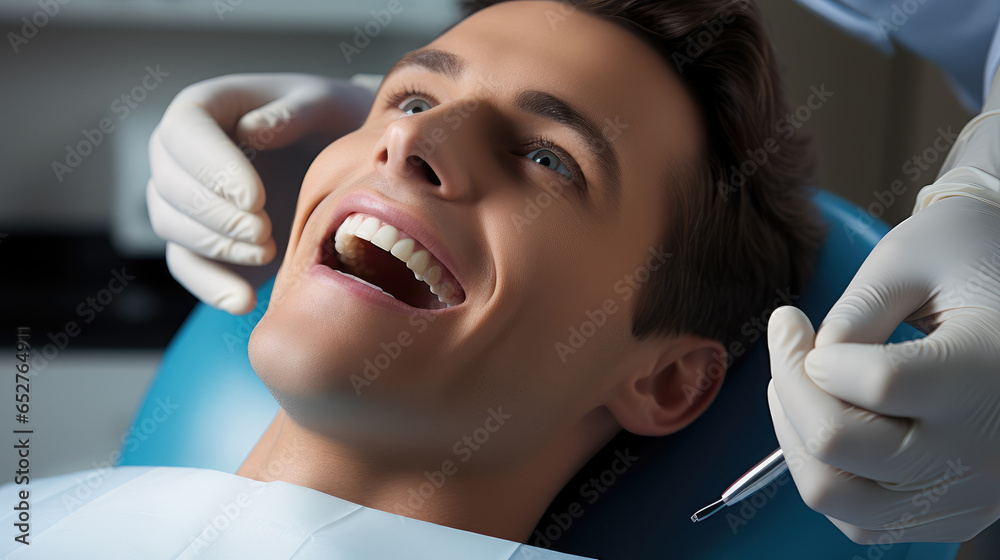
(308, 373)
(296, 358)
(321, 353)
(313, 371)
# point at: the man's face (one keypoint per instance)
(450, 155)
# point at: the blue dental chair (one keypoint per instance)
(207, 408)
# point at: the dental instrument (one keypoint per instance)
(762, 474)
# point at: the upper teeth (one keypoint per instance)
(386, 237)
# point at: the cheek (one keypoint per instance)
(334, 166)
(570, 308)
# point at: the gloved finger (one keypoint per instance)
(907, 530)
(839, 433)
(857, 534)
(904, 379)
(189, 196)
(210, 281)
(881, 378)
(829, 490)
(171, 224)
(881, 537)
(878, 299)
(194, 140)
(954, 509)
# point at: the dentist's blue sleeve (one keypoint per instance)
(959, 36)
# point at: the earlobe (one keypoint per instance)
(673, 390)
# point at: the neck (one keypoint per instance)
(505, 505)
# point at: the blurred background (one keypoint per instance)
(72, 201)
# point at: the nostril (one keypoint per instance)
(415, 161)
(431, 176)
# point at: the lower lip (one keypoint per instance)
(364, 292)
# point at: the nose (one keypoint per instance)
(420, 150)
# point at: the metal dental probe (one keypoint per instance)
(747, 485)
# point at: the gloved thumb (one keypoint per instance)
(789, 339)
(273, 125)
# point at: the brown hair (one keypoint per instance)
(744, 226)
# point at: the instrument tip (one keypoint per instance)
(707, 511)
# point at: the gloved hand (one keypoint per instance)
(901, 442)
(205, 197)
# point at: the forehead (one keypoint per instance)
(625, 87)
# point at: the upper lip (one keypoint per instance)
(395, 215)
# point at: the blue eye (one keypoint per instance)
(403, 106)
(549, 159)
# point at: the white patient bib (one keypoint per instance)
(183, 513)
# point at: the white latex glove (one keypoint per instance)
(205, 197)
(901, 442)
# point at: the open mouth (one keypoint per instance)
(390, 260)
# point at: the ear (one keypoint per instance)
(674, 387)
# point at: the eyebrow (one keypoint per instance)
(440, 62)
(532, 102)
